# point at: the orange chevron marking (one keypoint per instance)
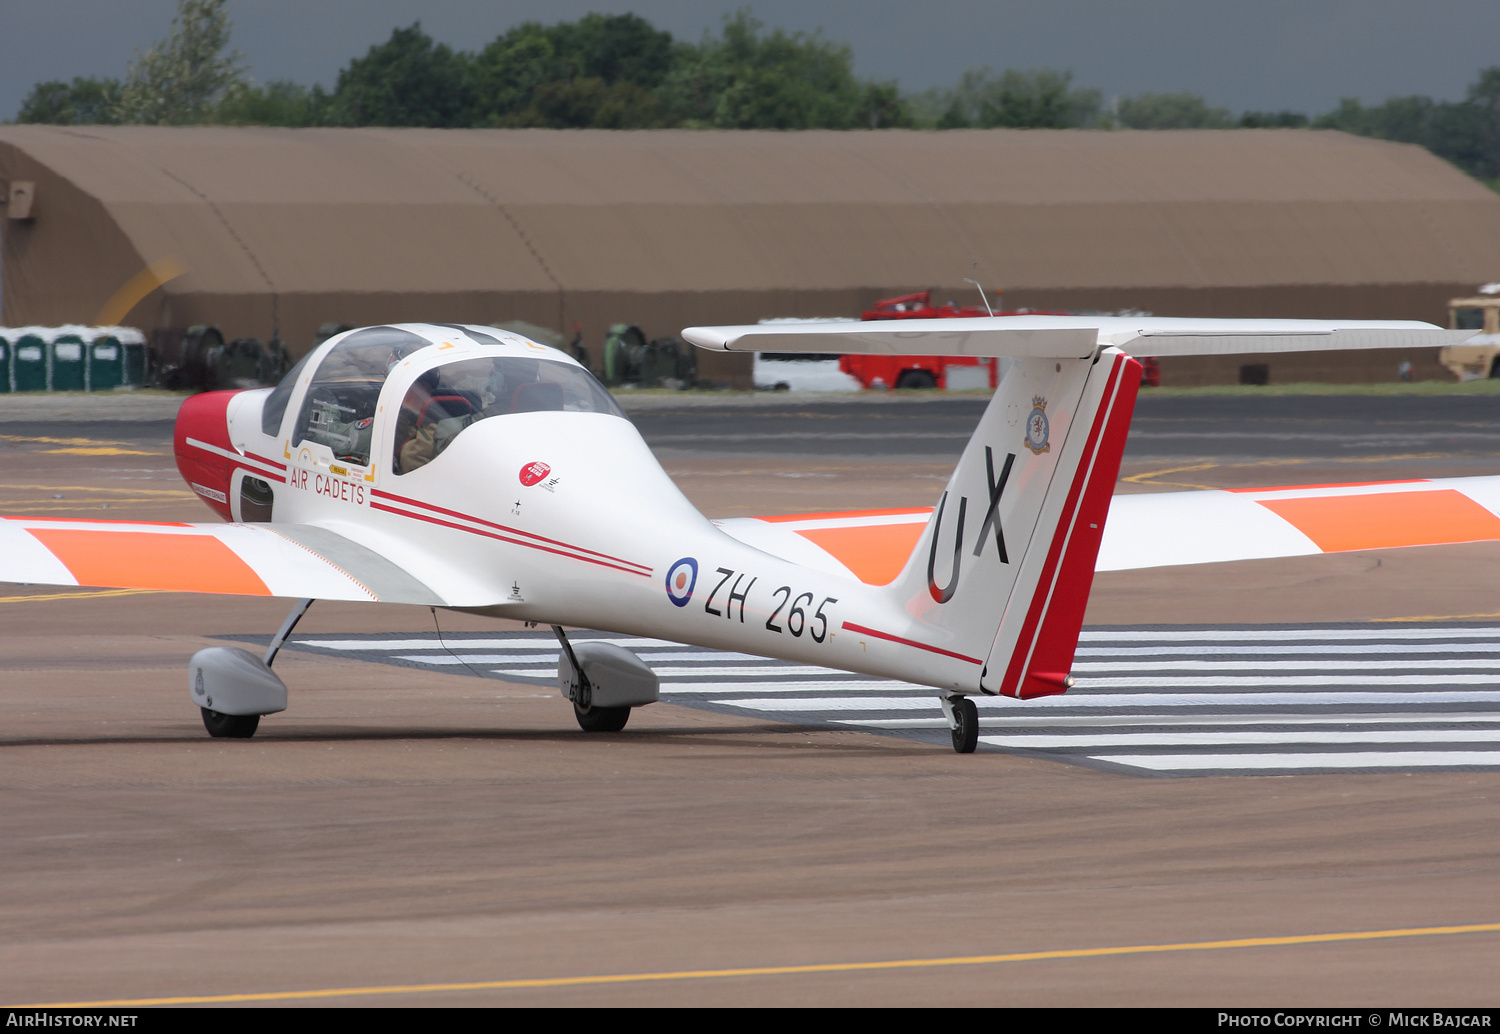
(1386, 519)
(842, 514)
(150, 560)
(875, 553)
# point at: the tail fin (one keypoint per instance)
(1003, 568)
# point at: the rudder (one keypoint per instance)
(1003, 569)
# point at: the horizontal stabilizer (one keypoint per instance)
(1073, 337)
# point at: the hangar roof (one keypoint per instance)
(444, 210)
(452, 217)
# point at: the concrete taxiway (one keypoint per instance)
(404, 832)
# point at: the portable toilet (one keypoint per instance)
(29, 361)
(132, 356)
(5, 350)
(69, 364)
(106, 361)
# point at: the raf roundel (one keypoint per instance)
(534, 472)
(681, 578)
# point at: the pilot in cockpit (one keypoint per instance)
(440, 404)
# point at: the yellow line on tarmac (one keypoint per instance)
(1441, 617)
(57, 441)
(1144, 478)
(769, 971)
(6, 486)
(99, 450)
(76, 595)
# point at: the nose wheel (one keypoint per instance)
(963, 720)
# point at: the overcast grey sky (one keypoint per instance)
(1240, 54)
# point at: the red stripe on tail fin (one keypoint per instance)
(1049, 637)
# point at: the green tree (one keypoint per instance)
(881, 106)
(1484, 101)
(277, 103)
(1170, 111)
(1038, 99)
(406, 81)
(598, 71)
(583, 103)
(615, 48)
(79, 103)
(746, 79)
(182, 79)
(1272, 120)
(1466, 132)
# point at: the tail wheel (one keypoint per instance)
(601, 719)
(965, 726)
(230, 726)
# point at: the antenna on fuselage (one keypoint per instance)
(981, 295)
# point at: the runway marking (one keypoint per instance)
(1143, 479)
(1448, 617)
(44, 440)
(1284, 461)
(99, 450)
(1358, 759)
(1158, 702)
(1238, 635)
(98, 594)
(776, 971)
(177, 492)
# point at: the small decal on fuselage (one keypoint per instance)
(533, 473)
(682, 577)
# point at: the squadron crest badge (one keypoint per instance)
(1037, 428)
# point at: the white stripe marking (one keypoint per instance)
(1283, 649)
(683, 673)
(1210, 681)
(1259, 635)
(1359, 759)
(852, 686)
(1122, 700)
(1482, 664)
(659, 658)
(1134, 721)
(1037, 741)
(432, 643)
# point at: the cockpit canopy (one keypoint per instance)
(341, 403)
(448, 398)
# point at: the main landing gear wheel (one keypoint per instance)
(601, 719)
(231, 726)
(965, 725)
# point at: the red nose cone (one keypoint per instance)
(203, 427)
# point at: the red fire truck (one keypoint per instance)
(952, 373)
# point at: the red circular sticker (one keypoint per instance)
(534, 472)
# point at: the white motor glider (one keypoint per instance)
(473, 469)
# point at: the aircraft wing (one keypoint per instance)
(1072, 337)
(293, 560)
(1173, 528)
